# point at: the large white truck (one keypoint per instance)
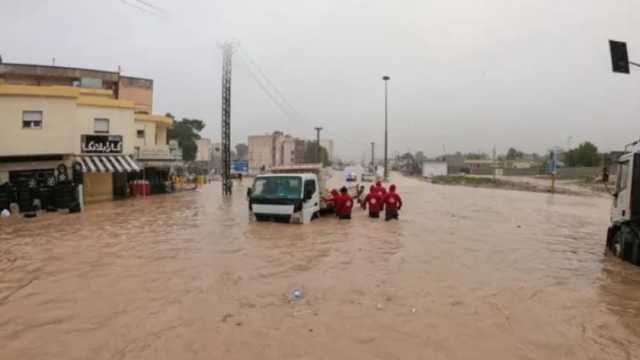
(290, 193)
(623, 235)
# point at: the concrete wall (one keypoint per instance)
(120, 123)
(521, 172)
(149, 139)
(579, 172)
(56, 135)
(161, 134)
(142, 96)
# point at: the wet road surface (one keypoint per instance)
(465, 274)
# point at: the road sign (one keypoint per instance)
(619, 56)
(240, 166)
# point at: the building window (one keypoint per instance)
(32, 119)
(101, 126)
(140, 134)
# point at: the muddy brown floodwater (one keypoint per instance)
(465, 274)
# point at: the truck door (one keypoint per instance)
(311, 202)
(621, 211)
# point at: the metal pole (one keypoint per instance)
(373, 161)
(318, 129)
(386, 132)
(227, 52)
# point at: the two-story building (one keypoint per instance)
(52, 116)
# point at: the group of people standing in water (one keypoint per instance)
(377, 200)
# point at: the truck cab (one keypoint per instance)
(623, 235)
(287, 197)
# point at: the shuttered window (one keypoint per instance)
(32, 119)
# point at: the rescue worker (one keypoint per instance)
(382, 191)
(374, 200)
(344, 204)
(392, 203)
(334, 199)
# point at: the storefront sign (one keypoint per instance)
(101, 144)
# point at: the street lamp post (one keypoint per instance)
(386, 134)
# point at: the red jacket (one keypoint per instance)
(344, 204)
(393, 201)
(374, 201)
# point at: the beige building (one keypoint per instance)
(100, 121)
(266, 151)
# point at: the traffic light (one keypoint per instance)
(619, 56)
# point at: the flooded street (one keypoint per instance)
(465, 274)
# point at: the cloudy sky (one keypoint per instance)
(465, 74)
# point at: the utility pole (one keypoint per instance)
(318, 129)
(373, 161)
(495, 167)
(227, 52)
(386, 133)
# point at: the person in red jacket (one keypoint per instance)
(393, 203)
(344, 205)
(333, 199)
(382, 191)
(374, 201)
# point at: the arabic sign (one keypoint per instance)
(101, 144)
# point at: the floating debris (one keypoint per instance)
(295, 294)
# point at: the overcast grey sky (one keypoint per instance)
(465, 74)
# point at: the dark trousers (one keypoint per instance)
(344, 216)
(374, 215)
(390, 214)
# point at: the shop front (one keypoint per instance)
(106, 171)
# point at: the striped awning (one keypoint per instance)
(107, 163)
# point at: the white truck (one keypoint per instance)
(289, 193)
(623, 235)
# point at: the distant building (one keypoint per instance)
(517, 164)
(204, 150)
(267, 151)
(480, 167)
(328, 145)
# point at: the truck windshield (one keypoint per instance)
(288, 187)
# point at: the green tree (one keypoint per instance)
(513, 154)
(586, 154)
(242, 150)
(186, 132)
(411, 164)
(478, 156)
(310, 156)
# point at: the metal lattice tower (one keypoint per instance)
(227, 52)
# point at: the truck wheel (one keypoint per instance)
(627, 244)
(615, 245)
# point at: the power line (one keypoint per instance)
(138, 7)
(152, 6)
(271, 83)
(145, 7)
(278, 98)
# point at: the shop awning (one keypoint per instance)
(107, 163)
